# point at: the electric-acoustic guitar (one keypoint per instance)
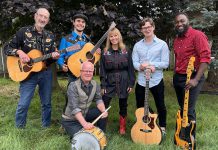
(19, 71)
(184, 137)
(87, 53)
(145, 130)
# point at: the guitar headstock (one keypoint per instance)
(190, 67)
(113, 24)
(147, 72)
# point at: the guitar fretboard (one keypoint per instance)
(97, 45)
(47, 56)
(190, 68)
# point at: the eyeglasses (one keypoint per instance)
(87, 71)
(146, 28)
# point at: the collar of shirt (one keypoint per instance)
(114, 51)
(87, 88)
(155, 39)
(75, 35)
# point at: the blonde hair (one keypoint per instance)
(120, 43)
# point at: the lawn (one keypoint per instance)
(34, 137)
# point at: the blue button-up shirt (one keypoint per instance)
(64, 44)
(156, 54)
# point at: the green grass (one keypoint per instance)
(34, 137)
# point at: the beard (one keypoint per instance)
(181, 32)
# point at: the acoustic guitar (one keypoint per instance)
(19, 71)
(87, 53)
(184, 137)
(145, 130)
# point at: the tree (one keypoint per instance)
(204, 16)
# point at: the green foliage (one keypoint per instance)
(34, 137)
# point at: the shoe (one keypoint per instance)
(122, 125)
(164, 133)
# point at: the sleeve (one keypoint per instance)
(135, 58)
(73, 98)
(202, 47)
(131, 71)
(63, 55)
(103, 75)
(53, 48)
(14, 44)
(98, 98)
(164, 60)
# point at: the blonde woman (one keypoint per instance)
(116, 74)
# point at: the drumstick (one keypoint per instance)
(100, 115)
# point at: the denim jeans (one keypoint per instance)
(179, 81)
(27, 88)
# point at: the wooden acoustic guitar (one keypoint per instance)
(184, 130)
(87, 53)
(19, 71)
(145, 130)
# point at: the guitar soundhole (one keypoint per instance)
(89, 56)
(146, 119)
(28, 66)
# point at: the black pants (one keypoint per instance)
(179, 81)
(73, 127)
(158, 94)
(122, 104)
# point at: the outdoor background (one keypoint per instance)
(126, 14)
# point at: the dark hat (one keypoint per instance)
(80, 16)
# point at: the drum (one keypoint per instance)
(93, 139)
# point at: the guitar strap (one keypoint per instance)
(68, 39)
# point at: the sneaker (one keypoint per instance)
(164, 133)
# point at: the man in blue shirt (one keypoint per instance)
(77, 37)
(151, 52)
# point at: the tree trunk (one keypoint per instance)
(55, 84)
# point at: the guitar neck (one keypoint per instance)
(47, 56)
(146, 106)
(98, 44)
(189, 70)
(185, 106)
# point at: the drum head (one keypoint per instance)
(85, 141)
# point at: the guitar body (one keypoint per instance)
(184, 136)
(146, 133)
(74, 62)
(19, 71)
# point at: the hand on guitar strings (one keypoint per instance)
(23, 56)
(191, 83)
(98, 51)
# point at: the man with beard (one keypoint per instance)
(25, 40)
(76, 37)
(189, 42)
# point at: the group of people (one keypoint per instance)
(117, 71)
